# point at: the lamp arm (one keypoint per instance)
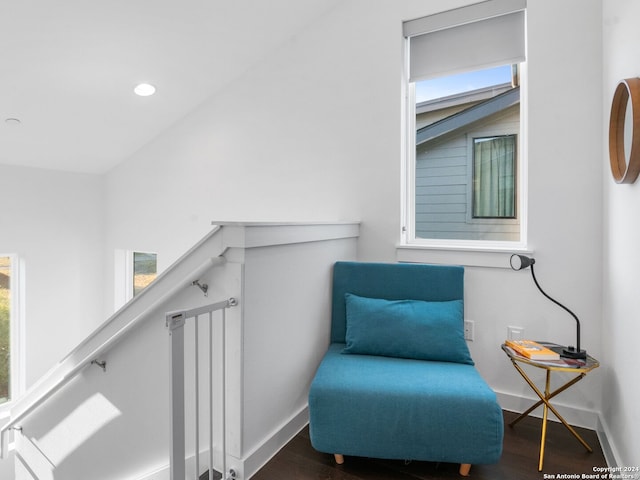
(561, 306)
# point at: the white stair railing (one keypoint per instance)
(100, 342)
(176, 322)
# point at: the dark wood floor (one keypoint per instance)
(563, 454)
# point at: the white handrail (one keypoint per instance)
(102, 348)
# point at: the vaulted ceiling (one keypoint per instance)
(68, 69)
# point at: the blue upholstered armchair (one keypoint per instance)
(397, 381)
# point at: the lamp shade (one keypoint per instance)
(518, 262)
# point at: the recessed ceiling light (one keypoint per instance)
(144, 89)
(12, 121)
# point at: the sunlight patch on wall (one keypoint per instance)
(75, 429)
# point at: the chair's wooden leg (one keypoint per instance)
(464, 469)
(339, 458)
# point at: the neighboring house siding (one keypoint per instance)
(443, 190)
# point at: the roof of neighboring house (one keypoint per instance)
(468, 116)
(462, 98)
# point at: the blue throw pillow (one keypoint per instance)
(406, 329)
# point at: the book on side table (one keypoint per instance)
(532, 350)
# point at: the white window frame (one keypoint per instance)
(465, 252)
(17, 384)
(123, 276)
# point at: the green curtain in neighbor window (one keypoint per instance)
(494, 168)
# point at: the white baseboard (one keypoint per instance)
(575, 416)
(254, 460)
(159, 473)
(610, 451)
(259, 457)
(271, 445)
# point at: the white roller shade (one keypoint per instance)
(479, 36)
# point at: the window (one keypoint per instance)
(5, 328)
(133, 272)
(464, 168)
(11, 324)
(494, 174)
(145, 270)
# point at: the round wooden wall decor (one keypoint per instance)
(624, 131)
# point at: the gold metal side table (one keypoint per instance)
(578, 367)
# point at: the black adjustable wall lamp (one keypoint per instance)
(520, 262)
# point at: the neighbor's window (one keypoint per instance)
(145, 270)
(494, 177)
(464, 73)
(5, 328)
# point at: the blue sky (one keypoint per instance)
(463, 82)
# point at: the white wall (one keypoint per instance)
(276, 336)
(314, 132)
(620, 327)
(564, 141)
(310, 133)
(54, 222)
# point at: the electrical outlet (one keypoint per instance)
(515, 333)
(468, 330)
